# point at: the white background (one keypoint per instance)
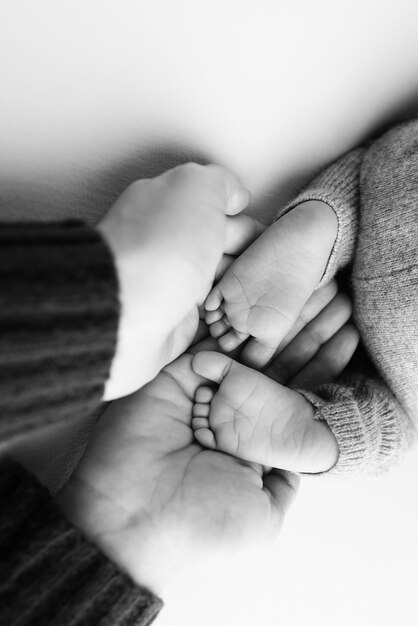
(96, 93)
(347, 555)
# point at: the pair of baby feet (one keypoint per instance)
(267, 299)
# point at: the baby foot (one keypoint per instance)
(258, 420)
(263, 291)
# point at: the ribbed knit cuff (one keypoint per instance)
(338, 186)
(367, 423)
(59, 313)
(50, 575)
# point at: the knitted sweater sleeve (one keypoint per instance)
(338, 186)
(59, 315)
(51, 574)
(370, 426)
(373, 410)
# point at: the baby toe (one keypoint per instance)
(206, 438)
(201, 410)
(213, 316)
(219, 328)
(200, 422)
(231, 340)
(212, 365)
(204, 394)
(214, 299)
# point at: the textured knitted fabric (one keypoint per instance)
(50, 575)
(58, 322)
(59, 314)
(374, 193)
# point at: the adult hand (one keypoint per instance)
(154, 500)
(167, 235)
(232, 412)
(320, 344)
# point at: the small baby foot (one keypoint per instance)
(263, 291)
(256, 419)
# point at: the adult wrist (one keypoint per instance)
(131, 368)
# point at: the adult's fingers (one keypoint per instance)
(237, 196)
(299, 352)
(192, 184)
(257, 354)
(241, 231)
(330, 360)
(204, 343)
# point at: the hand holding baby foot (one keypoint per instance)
(257, 419)
(320, 345)
(155, 501)
(250, 416)
(263, 291)
(167, 236)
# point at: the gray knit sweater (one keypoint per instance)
(373, 190)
